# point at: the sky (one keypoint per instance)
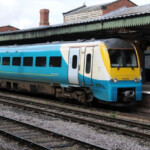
(25, 14)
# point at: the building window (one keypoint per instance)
(88, 63)
(55, 61)
(74, 62)
(16, 61)
(41, 61)
(6, 61)
(28, 61)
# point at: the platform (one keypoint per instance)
(146, 95)
(146, 88)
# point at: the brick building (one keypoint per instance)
(85, 12)
(8, 28)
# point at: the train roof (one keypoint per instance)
(117, 43)
(110, 43)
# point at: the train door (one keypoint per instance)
(88, 66)
(73, 66)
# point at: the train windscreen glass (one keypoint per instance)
(122, 58)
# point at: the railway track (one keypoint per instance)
(142, 111)
(128, 127)
(63, 105)
(39, 138)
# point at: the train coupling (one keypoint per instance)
(126, 95)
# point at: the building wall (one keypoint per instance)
(7, 28)
(97, 13)
(82, 16)
(116, 5)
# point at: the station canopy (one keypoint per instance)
(129, 23)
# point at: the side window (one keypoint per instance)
(28, 61)
(88, 63)
(6, 61)
(16, 61)
(55, 61)
(41, 61)
(74, 61)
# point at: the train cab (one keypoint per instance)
(122, 64)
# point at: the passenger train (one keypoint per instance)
(106, 70)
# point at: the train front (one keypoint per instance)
(122, 63)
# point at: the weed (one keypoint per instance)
(113, 115)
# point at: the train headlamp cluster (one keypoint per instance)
(136, 80)
(115, 80)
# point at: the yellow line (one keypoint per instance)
(52, 75)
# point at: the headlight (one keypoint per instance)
(114, 80)
(136, 80)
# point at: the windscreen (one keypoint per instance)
(121, 58)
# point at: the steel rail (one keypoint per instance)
(86, 121)
(72, 141)
(55, 104)
(83, 112)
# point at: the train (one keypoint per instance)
(107, 70)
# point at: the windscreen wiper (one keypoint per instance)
(132, 67)
(118, 67)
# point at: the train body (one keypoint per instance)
(107, 70)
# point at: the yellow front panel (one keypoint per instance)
(125, 73)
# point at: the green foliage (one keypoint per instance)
(113, 115)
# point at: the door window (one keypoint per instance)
(88, 63)
(74, 61)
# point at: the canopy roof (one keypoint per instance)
(135, 21)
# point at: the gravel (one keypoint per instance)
(109, 140)
(108, 122)
(9, 144)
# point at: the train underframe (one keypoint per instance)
(126, 96)
(82, 95)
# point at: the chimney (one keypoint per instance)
(44, 17)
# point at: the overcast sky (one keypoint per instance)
(25, 13)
